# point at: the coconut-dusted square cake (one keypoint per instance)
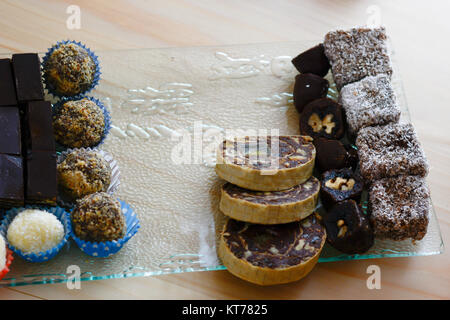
(399, 207)
(369, 102)
(390, 150)
(357, 53)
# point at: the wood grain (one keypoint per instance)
(419, 34)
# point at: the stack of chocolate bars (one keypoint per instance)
(27, 146)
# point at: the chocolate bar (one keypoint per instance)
(27, 75)
(7, 88)
(41, 184)
(10, 137)
(11, 181)
(39, 129)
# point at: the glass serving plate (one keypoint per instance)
(157, 98)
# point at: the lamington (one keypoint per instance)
(369, 102)
(399, 207)
(357, 53)
(389, 151)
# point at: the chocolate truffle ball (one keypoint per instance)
(69, 70)
(83, 172)
(79, 123)
(97, 218)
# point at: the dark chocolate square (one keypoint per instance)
(11, 181)
(41, 184)
(27, 76)
(39, 128)
(7, 87)
(10, 137)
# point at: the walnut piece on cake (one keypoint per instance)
(399, 207)
(369, 102)
(357, 53)
(389, 151)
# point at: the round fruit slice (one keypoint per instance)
(270, 207)
(269, 163)
(275, 254)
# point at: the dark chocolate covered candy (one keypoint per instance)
(308, 87)
(339, 185)
(333, 154)
(322, 118)
(348, 229)
(313, 61)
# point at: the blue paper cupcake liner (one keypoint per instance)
(108, 248)
(96, 75)
(62, 216)
(106, 115)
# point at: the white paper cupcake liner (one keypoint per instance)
(65, 201)
(60, 213)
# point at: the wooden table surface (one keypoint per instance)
(419, 33)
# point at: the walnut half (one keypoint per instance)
(318, 124)
(339, 183)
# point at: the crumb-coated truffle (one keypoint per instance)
(98, 217)
(83, 172)
(34, 231)
(79, 123)
(399, 207)
(69, 70)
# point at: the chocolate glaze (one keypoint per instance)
(275, 246)
(291, 195)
